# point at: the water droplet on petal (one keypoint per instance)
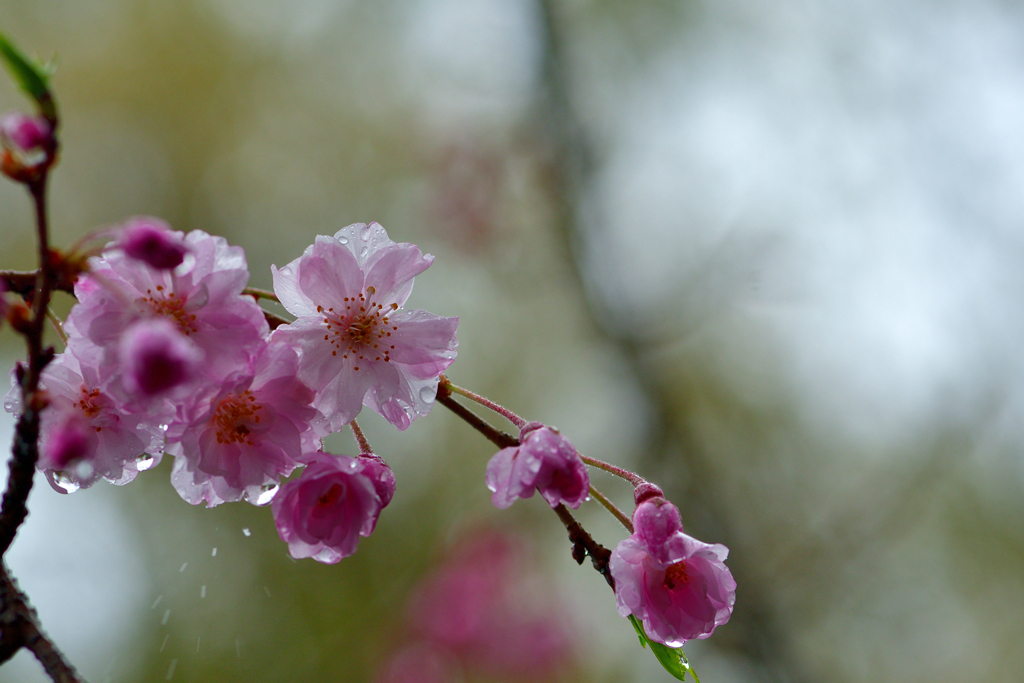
(246, 532)
(267, 493)
(343, 239)
(144, 462)
(363, 252)
(427, 394)
(65, 483)
(364, 233)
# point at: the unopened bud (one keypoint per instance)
(152, 241)
(156, 357)
(26, 133)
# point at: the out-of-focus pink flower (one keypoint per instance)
(25, 132)
(152, 241)
(239, 438)
(485, 610)
(202, 297)
(323, 512)
(155, 357)
(70, 440)
(356, 344)
(123, 442)
(677, 586)
(544, 461)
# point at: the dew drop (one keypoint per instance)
(427, 394)
(343, 239)
(246, 532)
(66, 483)
(84, 470)
(267, 493)
(144, 462)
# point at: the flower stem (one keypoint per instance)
(57, 326)
(485, 402)
(632, 477)
(261, 294)
(364, 445)
(611, 507)
(495, 436)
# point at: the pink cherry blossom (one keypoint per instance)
(357, 346)
(544, 461)
(156, 358)
(335, 500)
(152, 241)
(677, 586)
(239, 438)
(117, 444)
(202, 297)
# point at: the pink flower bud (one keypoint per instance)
(677, 586)
(646, 491)
(381, 475)
(26, 132)
(152, 241)
(544, 461)
(156, 357)
(69, 441)
(333, 502)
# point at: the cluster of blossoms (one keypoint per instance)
(167, 354)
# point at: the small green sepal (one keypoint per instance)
(672, 659)
(31, 75)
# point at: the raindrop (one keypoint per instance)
(214, 553)
(163, 428)
(84, 470)
(363, 252)
(65, 483)
(343, 239)
(198, 640)
(267, 493)
(246, 532)
(183, 568)
(267, 591)
(144, 462)
(427, 394)
(202, 592)
(164, 644)
(364, 234)
(156, 602)
(238, 648)
(167, 615)
(170, 670)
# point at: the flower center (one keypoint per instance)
(89, 403)
(233, 415)
(171, 306)
(329, 497)
(361, 330)
(676, 575)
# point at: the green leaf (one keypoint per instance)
(672, 659)
(31, 76)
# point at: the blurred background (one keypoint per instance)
(768, 254)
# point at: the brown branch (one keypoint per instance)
(19, 627)
(583, 544)
(495, 436)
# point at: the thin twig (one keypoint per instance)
(261, 294)
(495, 436)
(632, 477)
(583, 544)
(612, 508)
(485, 402)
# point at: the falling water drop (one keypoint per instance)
(214, 553)
(156, 602)
(183, 568)
(164, 644)
(246, 532)
(167, 615)
(202, 592)
(267, 591)
(170, 670)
